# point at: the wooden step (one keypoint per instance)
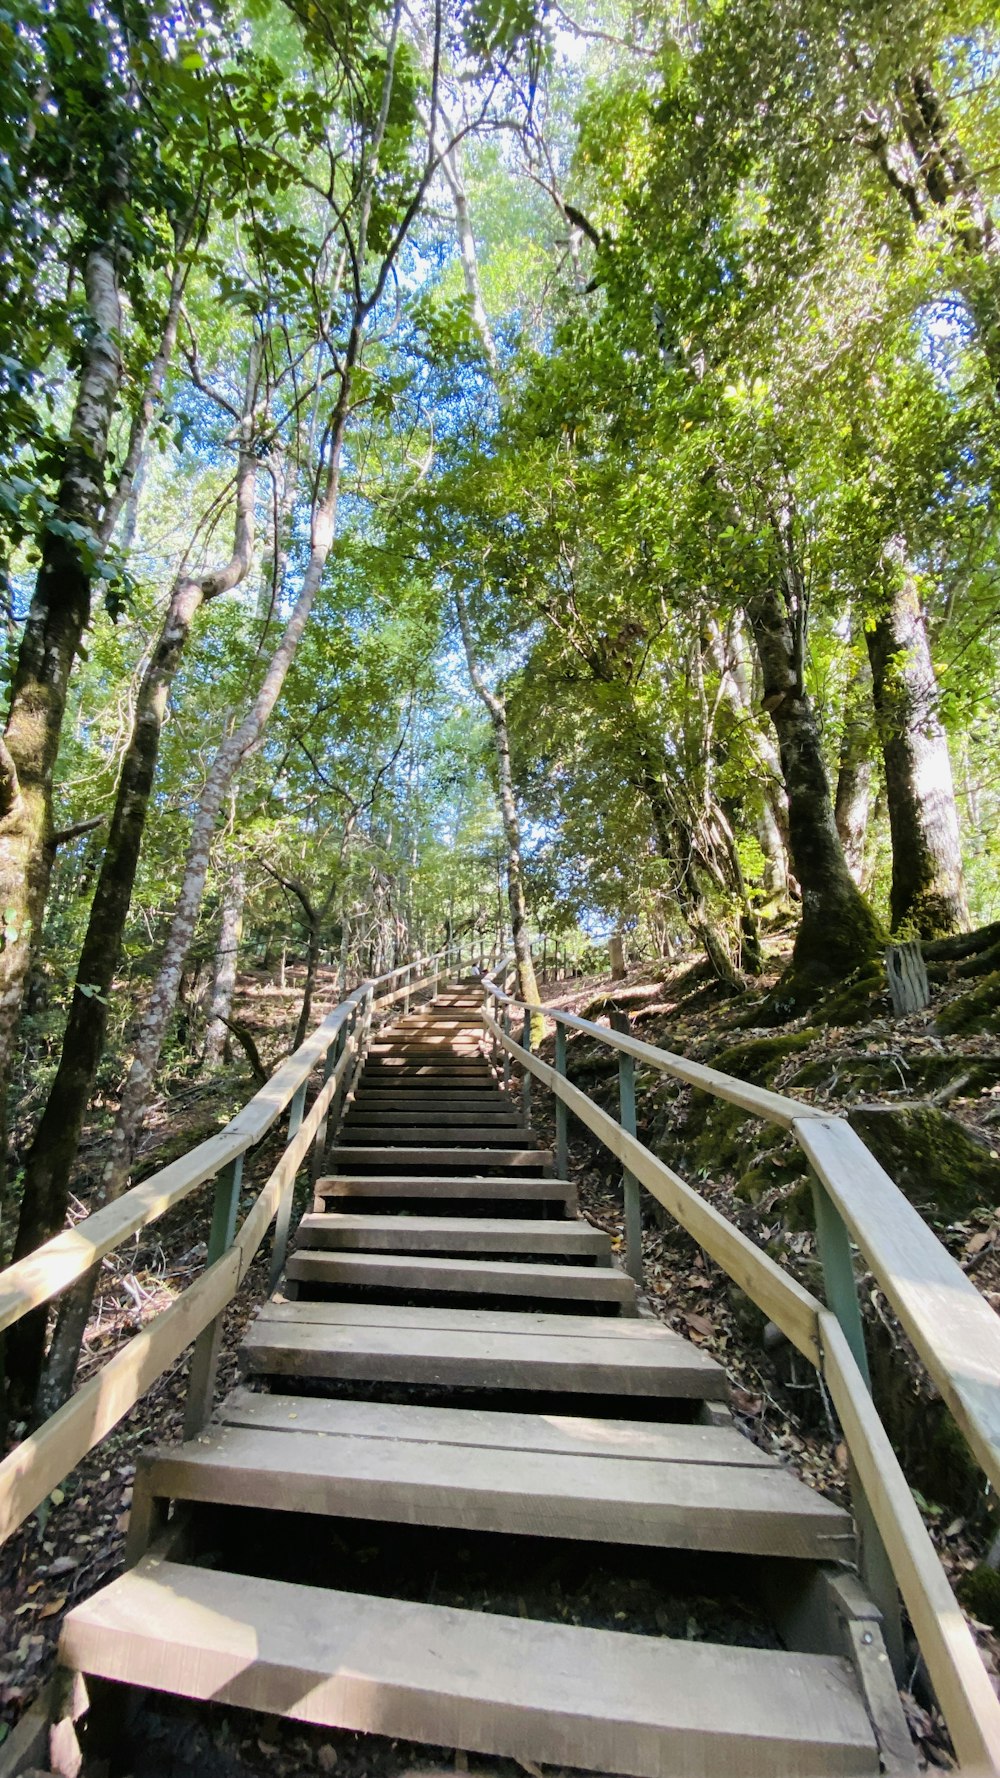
(405, 1185)
(471, 1160)
(498, 1134)
(496, 1428)
(339, 1230)
(396, 1068)
(498, 1116)
(598, 1699)
(476, 1348)
(427, 1095)
(394, 1271)
(760, 1511)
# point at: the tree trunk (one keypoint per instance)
(771, 811)
(220, 1003)
(838, 931)
(854, 776)
(928, 891)
(226, 765)
(53, 1152)
(58, 615)
(527, 986)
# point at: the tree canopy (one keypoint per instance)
(481, 465)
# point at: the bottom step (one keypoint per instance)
(597, 1699)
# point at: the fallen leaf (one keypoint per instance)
(53, 1606)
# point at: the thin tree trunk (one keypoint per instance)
(228, 762)
(928, 891)
(220, 1004)
(838, 931)
(59, 612)
(852, 804)
(53, 1152)
(142, 419)
(516, 899)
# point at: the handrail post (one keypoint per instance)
(333, 1054)
(406, 989)
(205, 1357)
(833, 1245)
(279, 1245)
(506, 1051)
(630, 1185)
(562, 1115)
(526, 1071)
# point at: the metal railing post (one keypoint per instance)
(562, 1115)
(279, 1245)
(205, 1357)
(833, 1244)
(406, 989)
(526, 1074)
(630, 1185)
(506, 1051)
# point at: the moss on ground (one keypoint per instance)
(979, 1010)
(943, 1168)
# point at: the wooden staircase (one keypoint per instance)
(457, 1396)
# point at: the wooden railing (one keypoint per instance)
(37, 1465)
(954, 1330)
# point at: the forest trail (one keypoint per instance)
(431, 1418)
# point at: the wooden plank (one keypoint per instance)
(497, 1429)
(955, 1331)
(386, 1135)
(448, 1318)
(690, 1506)
(493, 1117)
(448, 1185)
(392, 1271)
(790, 1306)
(579, 1365)
(550, 1693)
(450, 1234)
(41, 1461)
(350, 1155)
(970, 1705)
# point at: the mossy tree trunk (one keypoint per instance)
(57, 617)
(53, 1152)
(838, 931)
(928, 892)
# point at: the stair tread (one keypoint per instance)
(516, 1234)
(602, 1699)
(385, 1135)
(441, 1272)
(497, 1429)
(604, 1499)
(529, 1322)
(397, 1155)
(405, 1185)
(398, 1349)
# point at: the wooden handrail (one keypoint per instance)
(952, 1326)
(955, 1331)
(63, 1259)
(34, 1467)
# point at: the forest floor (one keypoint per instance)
(75, 1543)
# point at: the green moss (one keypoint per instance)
(857, 1074)
(979, 1010)
(759, 1059)
(942, 1168)
(979, 1592)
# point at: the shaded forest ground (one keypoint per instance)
(939, 1099)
